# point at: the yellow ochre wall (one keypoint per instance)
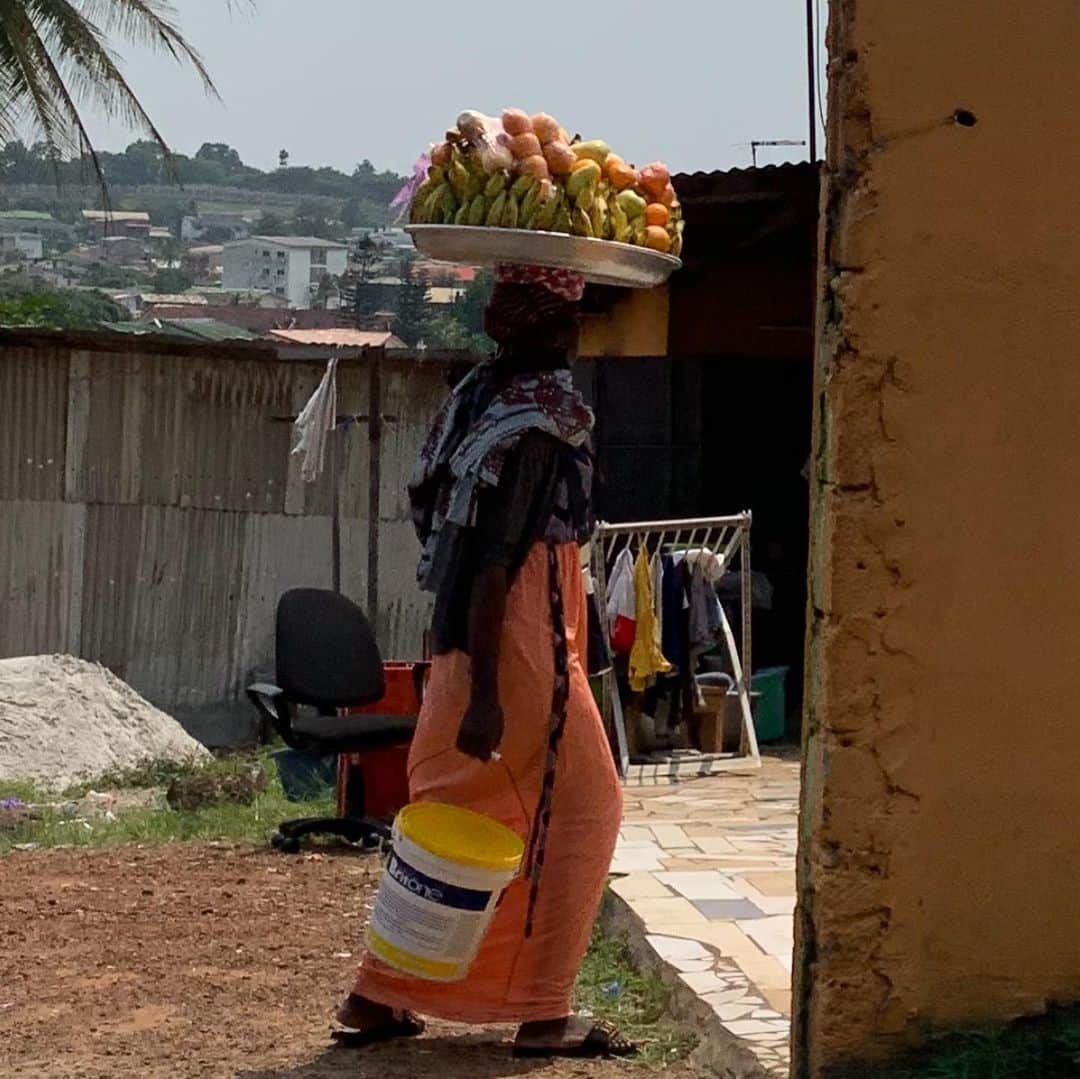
(636, 325)
(939, 870)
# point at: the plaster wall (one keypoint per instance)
(940, 851)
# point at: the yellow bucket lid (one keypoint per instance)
(461, 836)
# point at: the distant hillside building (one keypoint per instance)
(194, 227)
(289, 266)
(134, 224)
(20, 246)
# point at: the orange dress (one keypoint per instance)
(516, 978)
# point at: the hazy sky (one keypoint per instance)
(335, 81)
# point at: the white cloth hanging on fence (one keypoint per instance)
(622, 604)
(317, 418)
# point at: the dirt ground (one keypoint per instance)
(187, 961)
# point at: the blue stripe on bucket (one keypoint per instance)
(436, 891)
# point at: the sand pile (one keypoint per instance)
(65, 721)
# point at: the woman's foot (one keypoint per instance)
(575, 1036)
(364, 1022)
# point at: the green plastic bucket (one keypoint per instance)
(770, 711)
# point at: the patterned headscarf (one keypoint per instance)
(532, 305)
(565, 283)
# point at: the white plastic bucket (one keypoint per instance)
(442, 882)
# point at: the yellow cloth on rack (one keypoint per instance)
(646, 658)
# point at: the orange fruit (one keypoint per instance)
(657, 214)
(655, 178)
(656, 237)
(516, 122)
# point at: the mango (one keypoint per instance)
(597, 150)
(583, 182)
(632, 204)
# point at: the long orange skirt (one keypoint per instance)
(515, 979)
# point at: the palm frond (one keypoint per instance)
(55, 54)
(150, 23)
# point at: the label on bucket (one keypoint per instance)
(426, 917)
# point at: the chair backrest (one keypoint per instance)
(326, 651)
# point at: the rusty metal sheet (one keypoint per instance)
(40, 577)
(33, 423)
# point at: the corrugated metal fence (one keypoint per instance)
(151, 516)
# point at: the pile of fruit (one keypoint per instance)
(525, 172)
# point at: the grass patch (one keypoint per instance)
(58, 826)
(1045, 1046)
(610, 987)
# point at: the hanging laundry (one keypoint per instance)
(621, 606)
(316, 419)
(646, 658)
(675, 641)
(704, 609)
(599, 656)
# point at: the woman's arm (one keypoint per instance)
(482, 728)
(509, 520)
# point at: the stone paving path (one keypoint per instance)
(708, 868)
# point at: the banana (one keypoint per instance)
(457, 175)
(474, 185)
(521, 186)
(529, 203)
(447, 203)
(562, 219)
(620, 223)
(580, 224)
(547, 211)
(462, 215)
(496, 211)
(432, 209)
(512, 213)
(478, 209)
(638, 231)
(599, 217)
(496, 185)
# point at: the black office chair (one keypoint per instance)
(327, 659)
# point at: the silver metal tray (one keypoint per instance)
(603, 262)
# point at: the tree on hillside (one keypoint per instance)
(270, 224)
(27, 304)
(57, 56)
(414, 314)
(462, 327)
(220, 153)
(172, 282)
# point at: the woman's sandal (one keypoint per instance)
(603, 1042)
(402, 1025)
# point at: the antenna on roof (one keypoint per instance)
(769, 142)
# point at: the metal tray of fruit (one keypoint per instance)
(603, 262)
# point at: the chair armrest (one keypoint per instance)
(272, 704)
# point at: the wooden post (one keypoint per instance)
(375, 422)
(335, 509)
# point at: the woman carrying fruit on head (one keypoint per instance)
(509, 727)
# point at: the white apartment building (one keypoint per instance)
(289, 266)
(22, 245)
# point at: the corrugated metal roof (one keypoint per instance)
(136, 217)
(735, 181)
(256, 319)
(343, 338)
(296, 241)
(173, 298)
(205, 329)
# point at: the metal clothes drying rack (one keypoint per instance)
(725, 537)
